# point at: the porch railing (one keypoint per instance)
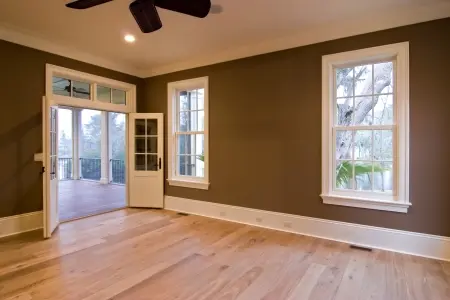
(91, 168)
(65, 168)
(118, 171)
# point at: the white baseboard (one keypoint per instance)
(413, 243)
(21, 223)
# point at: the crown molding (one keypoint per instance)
(15, 36)
(316, 34)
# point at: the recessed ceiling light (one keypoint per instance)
(129, 38)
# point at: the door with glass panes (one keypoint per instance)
(50, 170)
(146, 184)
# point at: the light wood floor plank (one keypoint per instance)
(160, 255)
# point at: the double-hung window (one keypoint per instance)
(188, 127)
(365, 128)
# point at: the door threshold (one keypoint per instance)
(93, 215)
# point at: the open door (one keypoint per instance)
(146, 172)
(50, 162)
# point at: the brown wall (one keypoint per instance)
(22, 85)
(265, 130)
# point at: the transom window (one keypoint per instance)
(188, 124)
(77, 89)
(365, 128)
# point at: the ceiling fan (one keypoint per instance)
(146, 15)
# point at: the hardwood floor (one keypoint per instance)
(81, 198)
(151, 254)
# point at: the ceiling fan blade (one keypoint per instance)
(83, 4)
(145, 14)
(196, 8)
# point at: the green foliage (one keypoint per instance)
(344, 171)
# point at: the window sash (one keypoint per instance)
(354, 128)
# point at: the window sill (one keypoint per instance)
(189, 184)
(394, 206)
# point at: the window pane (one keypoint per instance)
(383, 147)
(65, 133)
(103, 94)
(118, 97)
(152, 162)
(189, 165)
(363, 176)
(140, 144)
(61, 86)
(344, 111)
(152, 127)
(81, 90)
(191, 121)
(383, 78)
(139, 162)
(191, 100)
(344, 174)
(383, 177)
(363, 80)
(344, 144)
(201, 99)
(363, 111)
(344, 82)
(184, 103)
(190, 144)
(152, 145)
(384, 110)
(139, 127)
(363, 145)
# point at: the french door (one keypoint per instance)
(146, 165)
(50, 167)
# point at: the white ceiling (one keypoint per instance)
(244, 28)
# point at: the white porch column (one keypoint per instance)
(76, 142)
(110, 147)
(105, 178)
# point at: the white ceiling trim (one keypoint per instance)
(26, 39)
(307, 36)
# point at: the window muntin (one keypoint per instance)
(364, 126)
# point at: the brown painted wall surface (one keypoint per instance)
(265, 130)
(22, 85)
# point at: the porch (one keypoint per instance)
(91, 165)
(81, 198)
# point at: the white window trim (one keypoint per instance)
(172, 89)
(399, 201)
(93, 80)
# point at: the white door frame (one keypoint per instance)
(92, 103)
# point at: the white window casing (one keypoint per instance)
(173, 113)
(398, 199)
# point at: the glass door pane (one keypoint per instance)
(146, 145)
